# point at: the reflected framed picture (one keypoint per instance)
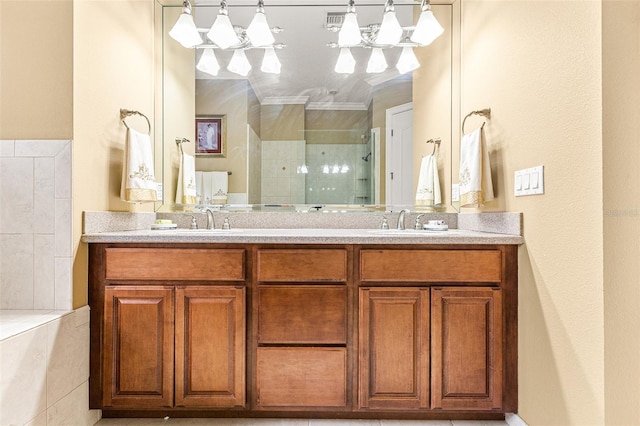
(211, 135)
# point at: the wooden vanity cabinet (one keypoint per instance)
(295, 330)
(164, 336)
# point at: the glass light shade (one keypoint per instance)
(407, 61)
(239, 63)
(427, 29)
(208, 62)
(349, 34)
(377, 62)
(346, 63)
(184, 31)
(222, 32)
(390, 30)
(259, 32)
(270, 62)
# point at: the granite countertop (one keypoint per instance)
(303, 236)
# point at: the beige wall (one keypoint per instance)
(36, 81)
(621, 154)
(282, 122)
(331, 126)
(537, 65)
(113, 64)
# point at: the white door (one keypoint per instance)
(399, 156)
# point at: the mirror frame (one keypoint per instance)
(164, 157)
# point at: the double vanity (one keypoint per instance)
(316, 323)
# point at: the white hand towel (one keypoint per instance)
(199, 197)
(219, 187)
(207, 190)
(138, 180)
(475, 170)
(186, 191)
(428, 192)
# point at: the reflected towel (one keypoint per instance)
(186, 191)
(219, 187)
(428, 192)
(199, 198)
(138, 180)
(475, 170)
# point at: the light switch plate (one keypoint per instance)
(529, 181)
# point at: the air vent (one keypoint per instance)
(334, 19)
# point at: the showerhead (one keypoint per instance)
(366, 158)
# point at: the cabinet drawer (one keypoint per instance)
(303, 314)
(302, 265)
(431, 265)
(174, 264)
(302, 377)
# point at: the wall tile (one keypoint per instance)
(44, 195)
(68, 355)
(40, 420)
(16, 195)
(63, 172)
(63, 227)
(7, 148)
(63, 294)
(72, 409)
(43, 272)
(39, 148)
(23, 376)
(16, 271)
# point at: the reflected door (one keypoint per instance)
(399, 153)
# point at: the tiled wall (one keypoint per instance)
(282, 181)
(35, 224)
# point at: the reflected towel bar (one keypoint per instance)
(436, 144)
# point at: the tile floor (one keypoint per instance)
(294, 422)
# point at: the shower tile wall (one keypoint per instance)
(338, 174)
(35, 224)
(282, 183)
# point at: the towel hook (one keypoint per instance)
(436, 144)
(124, 113)
(180, 141)
(486, 112)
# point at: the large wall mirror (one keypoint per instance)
(308, 135)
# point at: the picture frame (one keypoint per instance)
(211, 137)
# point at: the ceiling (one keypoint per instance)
(307, 74)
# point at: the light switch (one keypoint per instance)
(529, 181)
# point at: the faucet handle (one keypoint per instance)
(194, 224)
(225, 224)
(385, 223)
(418, 225)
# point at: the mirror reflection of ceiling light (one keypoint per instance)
(270, 62)
(258, 30)
(239, 63)
(184, 30)
(208, 62)
(386, 35)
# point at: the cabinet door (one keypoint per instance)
(394, 348)
(138, 347)
(466, 339)
(210, 347)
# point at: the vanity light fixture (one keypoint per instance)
(208, 62)
(349, 34)
(428, 28)
(390, 31)
(386, 35)
(270, 62)
(258, 30)
(222, 32)
(377, 62)
(239, 63)
(407, 61)
(346, 63)
(184, 30)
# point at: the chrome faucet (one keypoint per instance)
(210, 222)
(401, 218)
